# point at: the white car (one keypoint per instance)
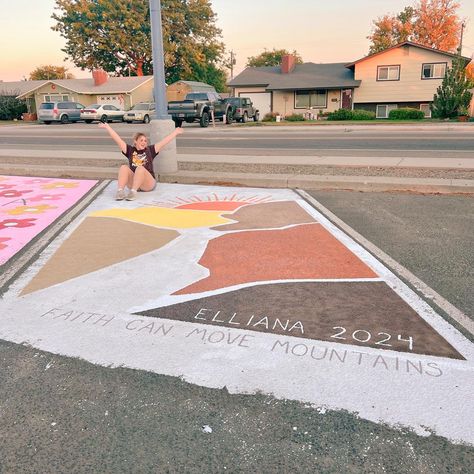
(142, 112)
(101, 112)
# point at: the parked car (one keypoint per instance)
(243, 109)
(102, 112)
(197, 107)
(63, 112)
(141, 112)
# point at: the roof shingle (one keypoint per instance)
(303, 76)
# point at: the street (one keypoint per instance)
(397, 141)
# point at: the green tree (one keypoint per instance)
(453, 97)
(271, 58)
(50, 72)
(115, 35)
(432, 23)
(11, 107)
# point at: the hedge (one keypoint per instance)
(406, 113)
(344, 114)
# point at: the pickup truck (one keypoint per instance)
(243, 109)
(198, 106)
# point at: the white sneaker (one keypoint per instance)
(132, 195)
(120, 195)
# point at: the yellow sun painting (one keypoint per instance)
(215, 202)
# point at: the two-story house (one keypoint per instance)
(405, 75)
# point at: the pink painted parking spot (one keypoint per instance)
(29, 205)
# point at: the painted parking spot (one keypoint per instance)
(249, 289)
(29, 205)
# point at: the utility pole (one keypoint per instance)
(232, 64)
(161, 125)
(463, 25)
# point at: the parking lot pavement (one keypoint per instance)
(226, 287)
(430, 235)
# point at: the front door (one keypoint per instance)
(347, 99)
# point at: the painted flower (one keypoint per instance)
(9, 223)
(6, 186)
(13, 193)
(4, 239)
(47, 197)
(16, 211)
(60, 184)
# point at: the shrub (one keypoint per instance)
(11, 107)
(294, 118)
(406, 113)
(340, 114)
(360, 114)
(270, 117)
(453, 94)
(344, 114)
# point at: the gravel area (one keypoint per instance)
(329, 170)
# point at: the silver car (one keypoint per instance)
(102, 112)
(142, 112)
(63, 112)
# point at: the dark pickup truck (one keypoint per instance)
(198, 107)
(243, 109)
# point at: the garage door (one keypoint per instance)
(262, 101)
(116, 100)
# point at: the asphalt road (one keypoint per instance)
(258, 140)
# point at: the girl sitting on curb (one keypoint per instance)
(138, 175)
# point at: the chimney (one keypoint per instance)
(100, 77)
(288, 63)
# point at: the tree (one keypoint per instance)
(392, 30)
(271, 58)
(115, 35)
(50, 72)
(453, 97)
(432, 23)
(11, 107)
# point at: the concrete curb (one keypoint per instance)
(356, 183)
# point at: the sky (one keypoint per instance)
(332, 31)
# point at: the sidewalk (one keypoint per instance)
(435, 175)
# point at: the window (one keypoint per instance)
(384, 110)
(388, 73)
(56, 98)
(307, 99)
(425, 108)
(433, 71)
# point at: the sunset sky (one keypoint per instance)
(320, 31)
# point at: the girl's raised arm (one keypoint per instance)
(115, 136)
(167, 139)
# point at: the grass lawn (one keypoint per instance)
(351, 122)
(15, 122)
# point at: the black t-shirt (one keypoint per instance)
(138, 158)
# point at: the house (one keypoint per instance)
(406, 75)
(122, 92)
(296, 88)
